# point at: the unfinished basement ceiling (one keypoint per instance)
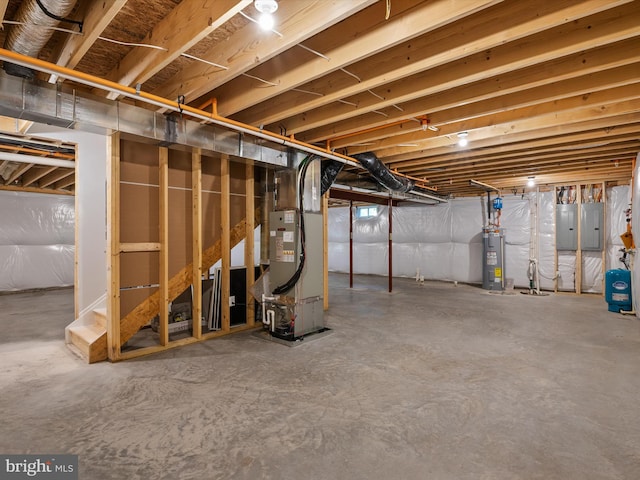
(542, 89)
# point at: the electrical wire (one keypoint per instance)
(59, 18)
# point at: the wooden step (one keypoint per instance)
(100, 317)
(91, 342)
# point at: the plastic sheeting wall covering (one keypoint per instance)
(444, 242)
(37, 240)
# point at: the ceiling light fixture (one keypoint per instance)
(463, 141)
(266, 9)
(531, 182)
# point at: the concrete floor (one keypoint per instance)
(429, 382)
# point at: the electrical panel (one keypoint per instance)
(567, 227)
(591, 226)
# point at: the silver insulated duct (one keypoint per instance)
(30, 37)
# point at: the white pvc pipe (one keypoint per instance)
(51, 162)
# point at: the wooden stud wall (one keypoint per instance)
(156, 233)
(578, 253)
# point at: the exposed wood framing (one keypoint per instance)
(34, 175)
(113, 249)
(96, 15)
(300, 20)
(19, 171)
(225, 227)
(150, 307)
(14, 188)
(163, 328)
(140, 247)
(196, 248)
(249, 254)
(187, 24)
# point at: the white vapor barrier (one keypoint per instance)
(444, 242)
(546, 240)
(618, 200)
(36, 240)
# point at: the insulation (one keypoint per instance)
(36, 241)
(444, 242)
(28, 38)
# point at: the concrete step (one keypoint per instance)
(91, 341)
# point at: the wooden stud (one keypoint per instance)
(163, 157)
(578, 269)
(196, 221)
(140, 247)
(555, 239)
(249, 254)
(350, 243)
(225, 215)
(325, 250)
(181, 342)
(113, 249)
(604, 236)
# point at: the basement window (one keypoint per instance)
(366, 211)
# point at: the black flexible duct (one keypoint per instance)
(382, 174)
(330, 170)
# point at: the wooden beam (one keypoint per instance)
(3, 10)
(225, 231)
(96, 15)
(113, 249)
(298, 21)
(485, 97)
(598, 129)
(325, 250)
(35, 174)
(355, 45)
(18, 172)
(163, 212)
(463, 44)
(196, 247)
(66, 182)
(16, 188)
(55, 176)
(188, 23)
(140, 247)
(539, 146)
(569, 111)
(249, 254)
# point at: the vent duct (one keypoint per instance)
(382, 174)
(32, 34)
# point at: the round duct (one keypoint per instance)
(33, 33)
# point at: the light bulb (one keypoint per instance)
(462, 139)
(266, 21)
(531, 182)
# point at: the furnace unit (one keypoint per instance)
(294, 307)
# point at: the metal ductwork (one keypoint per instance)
(30, 37)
